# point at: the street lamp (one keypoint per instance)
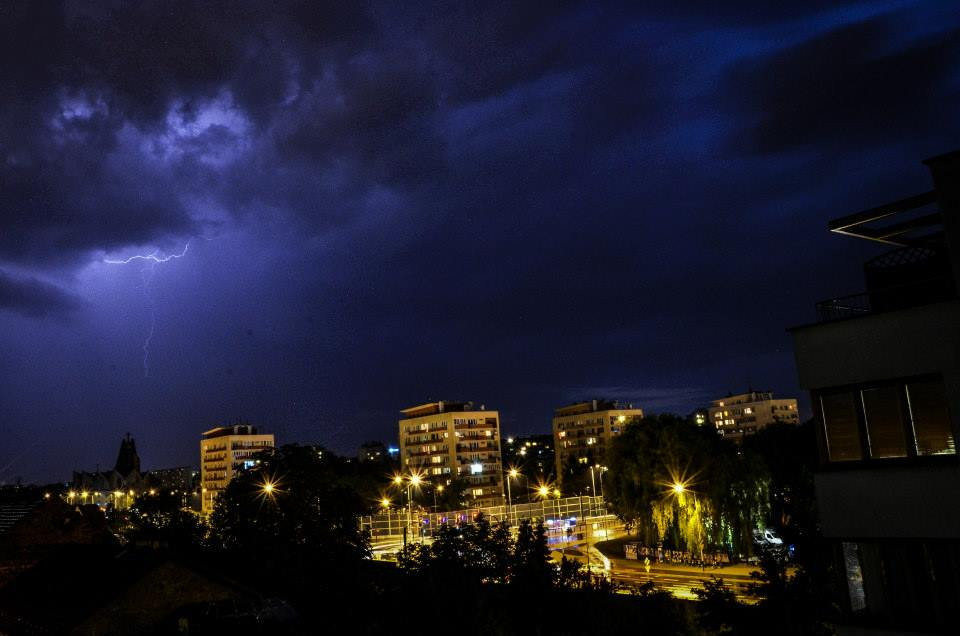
(413, 480)
(437, 489)
(543, 491)
(511, 474)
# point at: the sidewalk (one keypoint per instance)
(739, 571)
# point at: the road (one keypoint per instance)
(677, 579)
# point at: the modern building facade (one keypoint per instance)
(446, 440)
(224, 451)
(582, 432)
(737, 416)
(883, 371)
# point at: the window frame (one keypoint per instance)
(906, 419)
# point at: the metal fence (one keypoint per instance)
(565, 519)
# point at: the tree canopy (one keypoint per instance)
(680, 483)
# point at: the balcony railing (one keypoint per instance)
(891, 298)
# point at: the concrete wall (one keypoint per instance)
(906, 500)
(890, 502)
(896, 344)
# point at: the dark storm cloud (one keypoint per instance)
(854, 85)
(88, 93)
(34, 298)
(521, 203)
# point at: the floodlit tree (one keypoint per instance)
(674, 481)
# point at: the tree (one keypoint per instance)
(477, 552)
(293, 518)
(532, 568)
(674, 481)
(718, 612)
(789, 453)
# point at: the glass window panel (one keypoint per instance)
(931, 422)
(885, 431)
(841, 427)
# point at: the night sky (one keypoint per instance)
(373, 207)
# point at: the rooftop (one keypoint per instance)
(591, 406)
(236, 429)
(441, 406)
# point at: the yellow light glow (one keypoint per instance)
(46, 495)
(130, 493)
(84, 493)
(440, 488)
(385, 502)
(514, 472)
(622, 418)
(415, 480)
(543, 491)
(154, 492)
(398, 479)
(678, 488)
(268, 487)
(556, 493)
(117, 493)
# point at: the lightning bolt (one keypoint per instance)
(150, 258)
(150, 262)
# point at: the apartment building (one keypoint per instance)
(582, 432)
(883, 371)
(224, 451)
(737, 416)
(445, 440)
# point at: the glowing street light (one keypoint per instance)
(385, 502)
(413, 480)
(678, 488)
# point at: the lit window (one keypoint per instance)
(583, 460)
(478, 492)
(885, 431)
(748, 410)
(931, 424)
(476, 469)
(841, 428)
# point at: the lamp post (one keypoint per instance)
(385, 503)
(437, 490)
(412, 480)
(543, 491)
(511, 474)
